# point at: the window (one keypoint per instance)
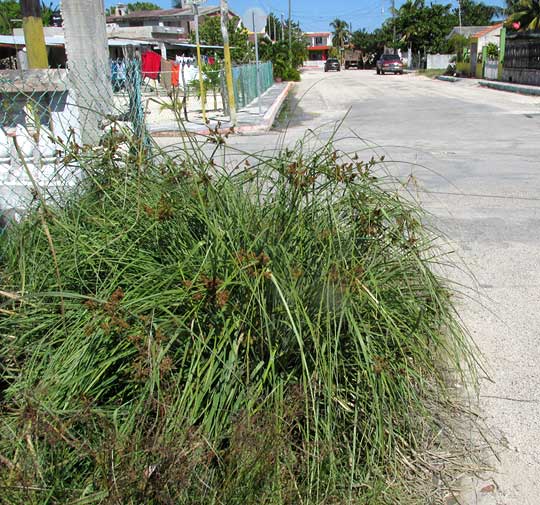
(318, 41)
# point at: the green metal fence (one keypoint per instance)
(245, 82)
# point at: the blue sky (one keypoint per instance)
(316, 15)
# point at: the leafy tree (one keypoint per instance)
(478, 13)
(527, 15)
(370, 42)
(135, 6)
(341, 32)
(420, 26)
(274, 27)
(278, 54)
(511, 7)
(143, 6)
(210, 34)
(10, 10)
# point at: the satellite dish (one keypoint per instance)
(254, 19)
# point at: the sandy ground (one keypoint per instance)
(474, 153)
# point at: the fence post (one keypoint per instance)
(88, 63)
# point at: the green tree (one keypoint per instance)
(11, 15)
(527, 15)
(135, 6)
(478, 13)
(421, 27)
(340, 31)
(369, 42)
(9, 11)
(210, 34)
(178, 4)
(143, 6)
(274, 28)
(511, 7)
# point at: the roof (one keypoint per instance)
(166, 13)
(466, 31)
(58, 40)
(317, 34)
(318, 48)
(487, 30)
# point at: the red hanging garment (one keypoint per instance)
(175, 75)
(151, 64)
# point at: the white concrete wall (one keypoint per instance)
(493, 36)
(439, 61)
(25, 162)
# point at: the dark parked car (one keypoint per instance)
(389, 63)
(332, 64)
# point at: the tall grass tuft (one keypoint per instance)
(268, 334)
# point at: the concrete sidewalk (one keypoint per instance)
(510, 87)
(249, 120)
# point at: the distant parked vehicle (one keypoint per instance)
(332, 64)
(353, 58)
(389, 63)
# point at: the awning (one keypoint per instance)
(318, 48)
(59, 41)
(18, 40)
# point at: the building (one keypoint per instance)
(158, 25)
(481, 35)
(488, 35)
(319, 45)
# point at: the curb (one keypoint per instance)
(510, 88)
(263, 126)
(447, 78)
(270, 115)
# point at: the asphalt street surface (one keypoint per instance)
(474, 154)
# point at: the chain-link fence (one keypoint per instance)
(245, 82)
(46, 114)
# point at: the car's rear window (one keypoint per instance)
(332, 60)
(390, 57)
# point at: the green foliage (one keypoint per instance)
(492, 51)
(341, 34)
(274, 28)
(143, 6)
(370, 42)
(180, 332)
(278, 54)
(291, 74)
(527, 14)
(475, 13)
(210, 34)
(424, 27)
(10, 10)
(460, 45)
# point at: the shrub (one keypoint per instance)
(181, 333)
(291, 74)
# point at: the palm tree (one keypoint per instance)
(341, 32)
(526, 15)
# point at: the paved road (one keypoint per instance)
(481, 152)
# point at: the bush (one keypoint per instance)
(177, 333)
(291, 74)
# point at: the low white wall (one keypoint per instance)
(314, 63)
(438, 60)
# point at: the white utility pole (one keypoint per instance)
(227, 60)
